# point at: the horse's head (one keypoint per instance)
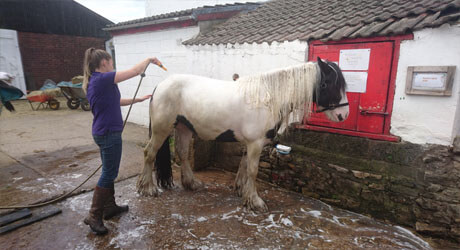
(329, 94)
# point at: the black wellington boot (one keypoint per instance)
(94, 219)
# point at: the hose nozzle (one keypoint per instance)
(163, 67)
(159, 64)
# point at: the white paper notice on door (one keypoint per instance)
(356, 81)
(354, 59)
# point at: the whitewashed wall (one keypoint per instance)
(166, 46)
(219, 62)
(10, 58)
(428, 119)
(156, 7)
(417, 119)
(222, 61)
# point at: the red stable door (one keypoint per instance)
(367, 97)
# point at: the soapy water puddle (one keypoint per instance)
(213, 218)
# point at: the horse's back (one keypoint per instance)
(186, 82)
(197, 90)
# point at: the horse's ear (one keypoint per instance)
(322, 65)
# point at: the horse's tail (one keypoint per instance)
(162, 160)
(163, 166)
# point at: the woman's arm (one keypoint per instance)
(136, 70)
(126, 102)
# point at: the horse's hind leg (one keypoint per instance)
(184, 136)
(250, 197)
(241, 176)
(145, 183)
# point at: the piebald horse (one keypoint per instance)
(252, 110)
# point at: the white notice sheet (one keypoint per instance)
(356, 81)
(354, 59)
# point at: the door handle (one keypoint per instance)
(369, 112)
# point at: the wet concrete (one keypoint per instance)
(211, 218)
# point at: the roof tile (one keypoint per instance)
(287, 20)
(345, 31)
(184, 13)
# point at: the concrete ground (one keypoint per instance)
(45, 153)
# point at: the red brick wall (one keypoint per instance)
(55, 57)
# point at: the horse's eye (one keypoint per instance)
(323, 85)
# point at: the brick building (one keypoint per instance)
(52, 37)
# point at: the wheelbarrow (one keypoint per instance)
(45, 98)
(75, 95)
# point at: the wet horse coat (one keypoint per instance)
(248, 111)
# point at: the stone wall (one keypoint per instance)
(408, 184)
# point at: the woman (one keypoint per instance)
(100, 84)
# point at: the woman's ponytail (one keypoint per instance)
(93, 58)
(86, 69)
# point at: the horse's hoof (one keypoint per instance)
(146, 193)
(197, 184)
(193, 185)
(146, 189)
(256, 204)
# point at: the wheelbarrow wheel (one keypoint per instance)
(73, 103)
(85, 105)
(53, 104)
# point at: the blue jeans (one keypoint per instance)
(110, 146)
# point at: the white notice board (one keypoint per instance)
(356, 81)
(354, 59)
(429, 81)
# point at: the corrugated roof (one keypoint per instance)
(287, 20)
(65, 17)
(191, 13)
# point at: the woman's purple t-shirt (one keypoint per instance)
(104, 98)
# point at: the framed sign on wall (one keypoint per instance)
(430, 80)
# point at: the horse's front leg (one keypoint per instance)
(250, 197)
(184, 137)
(145, 184)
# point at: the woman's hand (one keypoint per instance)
(136, 70)
(127, 101)
(141, 99)
(155, 61)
